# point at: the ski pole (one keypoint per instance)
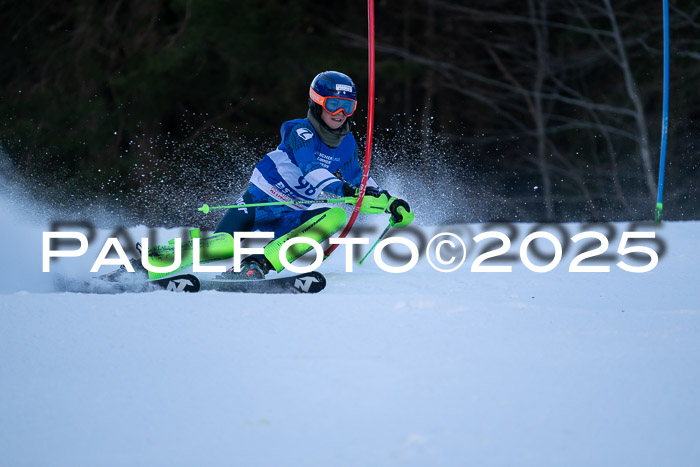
(348, 199)
(664, 120)
(375, 243)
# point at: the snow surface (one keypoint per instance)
(422, 368)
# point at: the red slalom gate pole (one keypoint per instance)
(370, 125)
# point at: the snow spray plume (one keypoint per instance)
(214, 166)
(434, 174)
(20, 237)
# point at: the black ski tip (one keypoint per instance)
(180, 283)
(312, 282)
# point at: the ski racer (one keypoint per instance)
(312, 151)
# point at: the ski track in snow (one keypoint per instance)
(380, 369)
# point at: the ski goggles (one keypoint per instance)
(334, 105)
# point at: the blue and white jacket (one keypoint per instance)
(302, 166)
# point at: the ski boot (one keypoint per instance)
(122, 275)
(253, 267)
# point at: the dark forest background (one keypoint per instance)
(531, 110)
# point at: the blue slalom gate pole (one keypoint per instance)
(664, 120)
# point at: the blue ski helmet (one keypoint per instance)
(333, 91)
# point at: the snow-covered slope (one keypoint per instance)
(421, 368)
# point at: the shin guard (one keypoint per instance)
(317, 228)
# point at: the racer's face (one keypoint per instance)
(333, 121)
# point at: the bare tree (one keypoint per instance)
(557, 77)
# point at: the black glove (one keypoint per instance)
(351, 190)
(376, 192)
(401, 214)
